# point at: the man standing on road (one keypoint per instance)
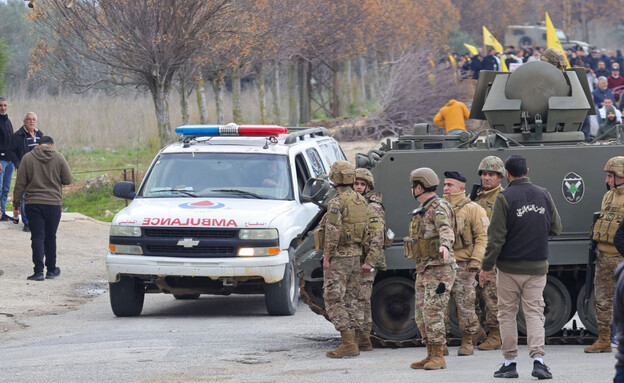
(430, 243)
(345, 224)
(491, 171)
(6, 164)
(40, 178)
(24, 140)
(524, 216)
(372, 258)
(471, 239)
(603, 232)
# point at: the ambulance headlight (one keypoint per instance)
(258, 234)
(125, 231)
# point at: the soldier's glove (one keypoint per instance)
(474, 265)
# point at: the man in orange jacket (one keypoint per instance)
(452, 116)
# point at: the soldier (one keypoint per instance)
(345, 224)
(555, 57)
(471, 239)
(430, 243)
(603, 232)
(372, 258)
(491, 170)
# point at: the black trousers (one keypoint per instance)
(43, 221)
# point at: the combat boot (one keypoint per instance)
(348, 347)
(437, 361)
(493, 341)
(363, 340)
(420, 365)
(466, 348)
(480, 336)
(602, 344)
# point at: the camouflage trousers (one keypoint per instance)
(487, 293)
(464, 293)
(433, 290)
(340, 291)
(604, 288)
(364, 301)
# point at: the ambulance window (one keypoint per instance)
(315, 162)
(303, 174)
(332, 152)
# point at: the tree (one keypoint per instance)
(4, 59)
(138, 43)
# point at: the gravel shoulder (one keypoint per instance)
(81, 252)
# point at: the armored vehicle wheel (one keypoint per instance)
(588, 318)
(392, 307)
(126, 297)
(557, 307)
(281, 298)
(186, 296)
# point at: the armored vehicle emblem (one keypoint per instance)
(573, 188)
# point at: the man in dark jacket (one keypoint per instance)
(618, 307)
(40, 178)
(24, 140)
(523, 217)
(6, 165)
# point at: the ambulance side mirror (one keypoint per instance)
(124, 189)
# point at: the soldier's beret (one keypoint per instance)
(455, 175)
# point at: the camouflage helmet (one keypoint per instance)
(342, 173)
(492, 164)
(366, 175)
(426, 176)
(615, 165)
(555, 57)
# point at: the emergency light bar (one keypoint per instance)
(230, 130)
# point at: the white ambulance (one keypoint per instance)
(218, 213)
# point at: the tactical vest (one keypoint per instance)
(420, 244)
(463, 234)
(354, 219)
(611, 216)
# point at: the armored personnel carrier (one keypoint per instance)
(537, 112)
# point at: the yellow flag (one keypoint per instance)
(452, 60)
(489, 39)
(472, 49)
(552, 41)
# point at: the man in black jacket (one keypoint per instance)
(6, 164)
(618, 307)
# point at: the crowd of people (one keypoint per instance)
(41, 172)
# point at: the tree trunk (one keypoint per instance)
(336, 90)
(376, 86)
(201, 98)
(276, 92)
(261, 96)
(304, 111)
(292, 95)
(217, 86)
(184, 106)
(363, 80)
(347, 91)
(161, 106)
(237, 114)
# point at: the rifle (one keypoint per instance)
(474, 191)
(590, 272)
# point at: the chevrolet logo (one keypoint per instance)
(188, 242)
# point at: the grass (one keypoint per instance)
(98, 203)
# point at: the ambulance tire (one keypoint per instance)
(281, 298)
(127, 296)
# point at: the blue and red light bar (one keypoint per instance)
(230, 130)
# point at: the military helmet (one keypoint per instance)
(365, 175)
(615, 165)
(555, 57)
(342, 173)
(492, 164)
(426, 176)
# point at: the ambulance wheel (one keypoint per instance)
(281, 298)
(127, 296)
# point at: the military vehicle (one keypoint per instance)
(537, 112)
(533, 36)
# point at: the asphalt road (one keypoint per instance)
(232, 339)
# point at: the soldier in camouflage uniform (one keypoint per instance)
(430, 243)
(372, 258)
(345, 224)
(491, 170)
(555, 57)
(470, 242)
(603, 232)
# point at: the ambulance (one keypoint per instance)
(218, 212)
